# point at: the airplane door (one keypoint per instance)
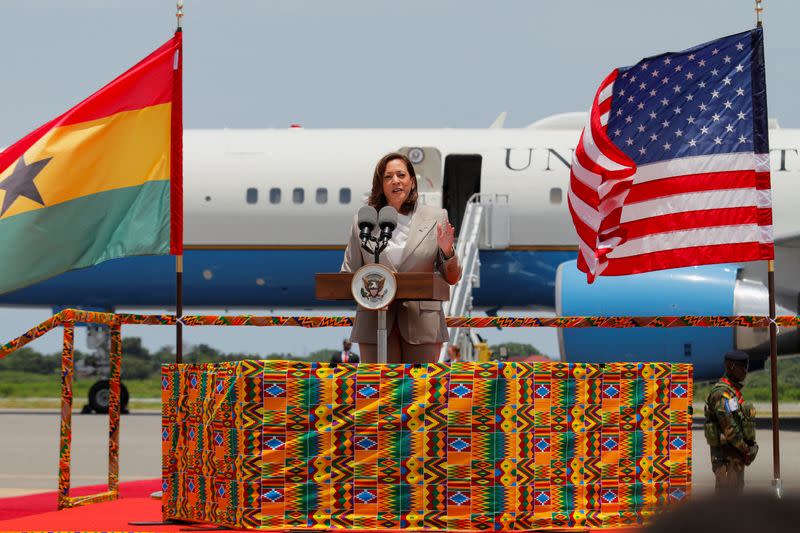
(427, 162)
(462, 179)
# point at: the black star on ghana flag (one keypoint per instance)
(20, 183)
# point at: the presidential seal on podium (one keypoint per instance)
(374, 286)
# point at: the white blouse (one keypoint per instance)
(394, 251)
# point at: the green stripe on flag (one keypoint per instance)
(40, 244)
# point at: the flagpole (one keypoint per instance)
(773, 370)
(773, 351)
(759, 10)
(177, 191)
(179, 309)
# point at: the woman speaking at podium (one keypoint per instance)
(422, 242)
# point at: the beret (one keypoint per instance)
(736, 355)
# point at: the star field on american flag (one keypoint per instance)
(696, 102)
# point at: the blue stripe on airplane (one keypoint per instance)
(267, 278)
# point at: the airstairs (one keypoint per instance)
(486, 225)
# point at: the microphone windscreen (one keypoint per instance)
(367, 216)
(387, 217)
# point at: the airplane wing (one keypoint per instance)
(789, 241)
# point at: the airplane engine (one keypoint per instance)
(704, 290)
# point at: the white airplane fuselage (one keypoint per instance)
(266, 209)
(530, 166)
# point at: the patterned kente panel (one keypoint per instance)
(472, 446)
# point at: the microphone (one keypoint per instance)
(387, 221)
(367, 220)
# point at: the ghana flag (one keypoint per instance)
(94, 183)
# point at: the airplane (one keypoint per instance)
(266, 209)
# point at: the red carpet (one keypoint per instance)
(116, 516)
(135, 506)
(107, 516)
(44, 502)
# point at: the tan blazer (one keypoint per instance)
(420, 322)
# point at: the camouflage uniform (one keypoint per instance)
(730, 432)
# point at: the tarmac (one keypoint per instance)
(30, 444)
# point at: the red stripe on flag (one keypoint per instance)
(765, 216)
(585, 233)
(763, 180)
(767, 251)
(694, 256)
(714, 181)
(604, 106)
(585, 161)
(691, 220)
(585, 193)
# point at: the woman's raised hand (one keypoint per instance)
(445, 237)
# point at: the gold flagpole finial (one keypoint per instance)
(179, 14)
(759, 11)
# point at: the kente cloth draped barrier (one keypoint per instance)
(467, 446)
(73, 315)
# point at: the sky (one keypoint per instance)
(357, 64)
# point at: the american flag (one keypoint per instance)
(672, 168)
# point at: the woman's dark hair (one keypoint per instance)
(377, 199)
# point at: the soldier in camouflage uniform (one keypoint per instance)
(730, 426)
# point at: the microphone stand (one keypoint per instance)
(382, 334)
(376, 252)
(379, 247)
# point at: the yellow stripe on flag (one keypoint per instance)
(121, 150)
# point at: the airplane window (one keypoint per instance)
(555, 195)
(274, 195)
(322, 195)
(252, 195)
(344, 195)
(298, 195)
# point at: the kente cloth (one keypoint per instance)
(467, 446)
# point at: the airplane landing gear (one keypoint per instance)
(99, 395)
(97, 364)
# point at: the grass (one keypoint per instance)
(25, 389)
(757, 385)
(22, 385)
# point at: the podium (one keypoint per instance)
(409, 286)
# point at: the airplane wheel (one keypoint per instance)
(99, 396)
